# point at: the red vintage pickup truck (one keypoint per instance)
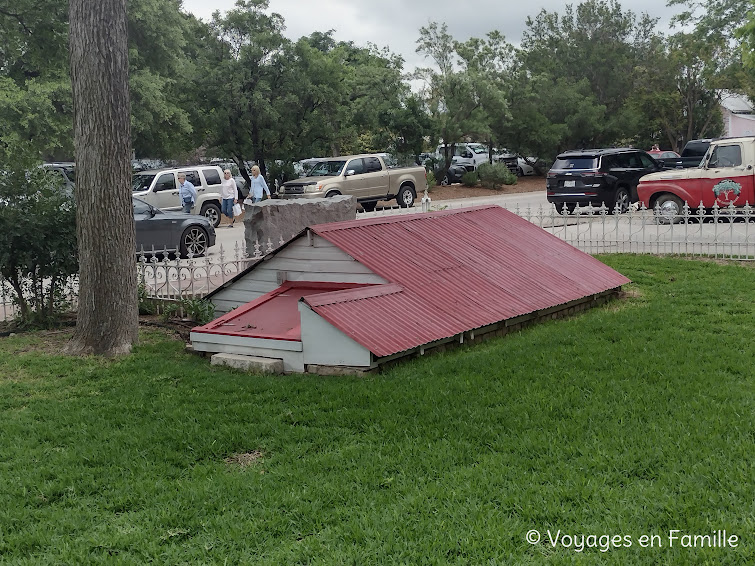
(725, 177)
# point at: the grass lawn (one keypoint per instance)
(628, 420)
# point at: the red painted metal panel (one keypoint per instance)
(274, 315)
(467, 268)
(449, 272)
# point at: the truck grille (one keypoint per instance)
(294, 189)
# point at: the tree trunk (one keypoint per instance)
(108, 319)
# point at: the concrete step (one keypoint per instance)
(248, 363)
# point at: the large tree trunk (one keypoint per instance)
(108, 319)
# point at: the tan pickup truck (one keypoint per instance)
(364, 176)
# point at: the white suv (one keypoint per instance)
(159, 187)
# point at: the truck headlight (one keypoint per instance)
(313, 188)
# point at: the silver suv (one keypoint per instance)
(159, 187)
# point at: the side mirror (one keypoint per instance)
(661, 163)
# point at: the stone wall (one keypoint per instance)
(276, 219)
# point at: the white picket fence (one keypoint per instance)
(725, 233)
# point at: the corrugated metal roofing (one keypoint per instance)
(457, 271)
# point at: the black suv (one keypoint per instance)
(592, 177)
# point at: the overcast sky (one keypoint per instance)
(395, 23)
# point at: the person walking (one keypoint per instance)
(187, 193)
(229, 193)
(258, 185)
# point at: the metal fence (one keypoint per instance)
(720, 232)
(724, 233)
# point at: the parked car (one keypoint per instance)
(454, 175)
(67, 171)
(158, 230)
(659, 154)
(692, 155)
(159, 187)
(470, 155)
(593, 177)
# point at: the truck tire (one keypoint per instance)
(193, 241)
(668, 209)
(211, 211)
(405, 197)
(332, 194)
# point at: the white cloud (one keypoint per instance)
(395, 23)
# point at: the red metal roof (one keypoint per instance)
(274, 315)
(452, 271)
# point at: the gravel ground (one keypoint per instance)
(523, 185)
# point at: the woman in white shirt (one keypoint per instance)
(230, 195)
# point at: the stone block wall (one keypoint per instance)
(279, 219)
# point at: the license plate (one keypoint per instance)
(569, 183)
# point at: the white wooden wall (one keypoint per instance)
(298, 261)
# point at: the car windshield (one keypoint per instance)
(326, 169)
(477, 148)
(576, 163)
(141, 181)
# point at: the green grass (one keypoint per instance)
(635, 418)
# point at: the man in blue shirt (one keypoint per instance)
(186, 192)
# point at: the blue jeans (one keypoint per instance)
(187, 206)
(227, 207)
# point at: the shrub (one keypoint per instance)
(431, 181)
(38, 249)
(494, 176)
(200, 311)
(471, 178)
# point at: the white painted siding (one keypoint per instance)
(325, 345)
(288, 351)
(322, 261)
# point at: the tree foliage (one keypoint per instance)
(38, 251)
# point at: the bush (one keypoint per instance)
(471, 178)
(38, 249)
(496, 175)
(431, 181)
(200, 311)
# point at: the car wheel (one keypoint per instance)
(405, 197)
(668, 209)
(519, 172)
(368, 206)
(445, 181)
(620, 201)
(211, 212)
(332, 194)
(193, 241)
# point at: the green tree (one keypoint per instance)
(162, 49)
(35, 97)
(586, 58)
(458, 95)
